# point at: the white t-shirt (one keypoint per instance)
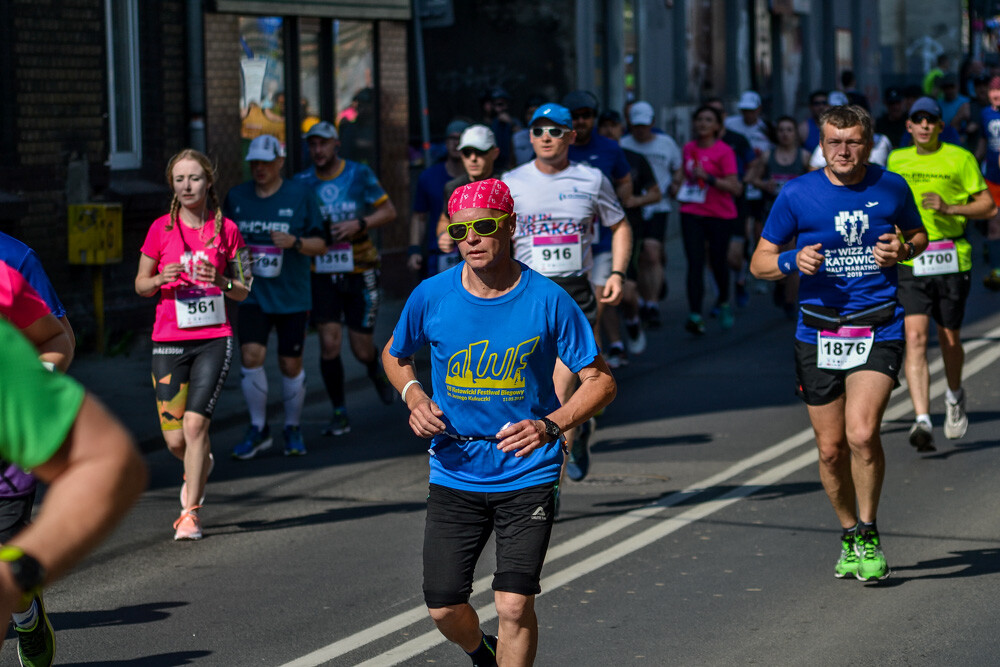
(879, 155)
(756, 134)
(556, 216)
(664, 156)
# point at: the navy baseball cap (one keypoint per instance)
(926, 105)
(556, 113)
(580, 99)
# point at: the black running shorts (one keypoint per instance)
(350, 298)
(459, 523)
(582, 291)
(255, 327)
(15, 515)
(820, 386)
(942, 297)
(188, 376)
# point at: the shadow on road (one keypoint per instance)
(621, 444)
(328, 516)
(165, 660)
(971, 563)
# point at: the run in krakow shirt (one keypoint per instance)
(492, 363)
(293, 209)
(557, 214)
(847, 220)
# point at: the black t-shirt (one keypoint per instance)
(892, 129)
(643, 179)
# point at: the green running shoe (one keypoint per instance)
(847, 565)
(871, 560)
(36, 647)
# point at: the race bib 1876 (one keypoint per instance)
(847, 347)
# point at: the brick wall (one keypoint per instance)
(393, 134)
(222, 83)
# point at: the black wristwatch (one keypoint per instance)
(298, 243)
(27, 572)
(913, 249)
(363, 224)
(551, 428)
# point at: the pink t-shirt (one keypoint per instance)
(167, 247)
(718, 160)
(20, 304)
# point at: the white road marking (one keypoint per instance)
(658, 531)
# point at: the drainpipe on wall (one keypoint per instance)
(196, 75)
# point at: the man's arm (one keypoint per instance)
(49, 337)
(621, 253)
(980, 207)
(424, 413)
(597, 390)
(94, 478)
(418, 227)
(769, 263)
(445, 242)
(623, 187)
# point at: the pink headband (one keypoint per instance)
(491, 193)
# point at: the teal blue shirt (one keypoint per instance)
(294, 210)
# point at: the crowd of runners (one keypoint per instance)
(542, 253)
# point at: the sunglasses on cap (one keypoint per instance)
(920, 117)
(483, 226)
(553, 131)
(468, 151)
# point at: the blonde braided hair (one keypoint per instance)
(213, 197)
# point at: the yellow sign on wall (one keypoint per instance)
(95, 233)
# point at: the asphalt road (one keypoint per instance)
(701, 537)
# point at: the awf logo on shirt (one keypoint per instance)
(575, 194)
(852, 225)
(286, 212)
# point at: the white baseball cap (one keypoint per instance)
(748, 100)
(479, 137)
(641, 113)
(265, 148)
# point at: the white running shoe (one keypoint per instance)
(956, 421)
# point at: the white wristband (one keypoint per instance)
(407, 386)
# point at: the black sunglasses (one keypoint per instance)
(469, 152)
(553, 131)
(919, 118)
(583, 114)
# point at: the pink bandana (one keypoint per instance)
(491, 193)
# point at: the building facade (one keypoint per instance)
(98, 94)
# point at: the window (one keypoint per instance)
(123, 84)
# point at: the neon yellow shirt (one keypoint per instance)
(951, 172)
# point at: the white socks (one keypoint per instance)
(954, 396)
(254, 384)
(27, 619)
(925, 418)
(294, 396)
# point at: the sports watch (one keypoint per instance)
(551, 428)
(27, 572)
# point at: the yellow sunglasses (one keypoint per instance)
(483, 226)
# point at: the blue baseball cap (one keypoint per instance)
(555, 113)
(927, 105)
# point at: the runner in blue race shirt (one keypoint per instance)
(281, 223)
(849, 339)
(495, 329)
(346, 283)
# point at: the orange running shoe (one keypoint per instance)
(188, 526)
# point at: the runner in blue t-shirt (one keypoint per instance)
(849, 340)
(989, 150)
(281, 223)
(495, 329)
(346, 283)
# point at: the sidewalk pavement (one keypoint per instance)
(124, 382)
